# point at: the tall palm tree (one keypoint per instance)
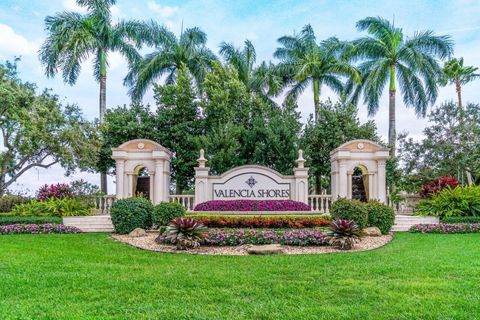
(388, 57)
(262, 80)
(304, 62)
(171, 54)
(454, 72)
(73, 38)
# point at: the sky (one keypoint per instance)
(261, 21)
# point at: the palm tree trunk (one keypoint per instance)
(102, 107)
(458, 88)
(316, 98)
(392, 134)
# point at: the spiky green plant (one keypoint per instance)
(185, 233)
(387, 56)
(344, 234)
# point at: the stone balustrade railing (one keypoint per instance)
(103, 204)
(186, 200)
(406, 204)
(320, 202)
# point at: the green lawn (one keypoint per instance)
(90, 276)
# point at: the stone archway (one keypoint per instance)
(137, 157)
(365, 156)
(142, 182)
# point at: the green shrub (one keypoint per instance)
(461, 220)
(165, 212)
(345, 209)
(9, 201)
(9, 220)
(452, 202)
(380, 216)
(128, 214)
(53, 207)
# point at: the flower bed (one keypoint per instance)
(252, 205)
(262, 222)
(446, 228)
(236, 237)
(37, 229)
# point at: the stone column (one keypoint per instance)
(201, 180)
(301, 180)
(382, 182)
(371, 182)
(349, 184)
(119, 174)
(129, 192)
(342, 177)
(158, 184)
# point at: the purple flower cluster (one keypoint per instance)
(47, 228)
(295, 237)
(252, 205)
(56, 191)
(446, 228)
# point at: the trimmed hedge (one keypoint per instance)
(380, 216)
(252, 205)
(8, 220)
(262, 222)
(461, 220)
(128, 214)
(165, 212)
(346, 209)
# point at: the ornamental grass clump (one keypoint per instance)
(345, 234)
(47, 228)
(252, 205)
(184, 233)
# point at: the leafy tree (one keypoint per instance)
(304, 62)
(172, 53)
(73, 38)
(39, 132)
(338, 124)
(388, 57)
(178, 126)
(449, 147)
(454, 72)
(262, 80)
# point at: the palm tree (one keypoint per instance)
(262, 80)
(73, 38)
(304, 62)
(189, 50)
(454, 72)
(388, 57)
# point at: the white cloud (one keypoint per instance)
(163, 11)
(71, 5)
(14, 44)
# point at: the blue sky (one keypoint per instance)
(261, 21)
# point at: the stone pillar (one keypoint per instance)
(343, 179)
(201, 180)
(158, 184)
(382, 182)
(119, 174)
(349, 184)
(371, 183)
(301, 180)
(129, 192)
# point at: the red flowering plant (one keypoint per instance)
(437, 185)
(262, 222)
(56, 191)
(252, 205)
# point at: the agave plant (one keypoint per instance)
(344, 234)
(185, 233)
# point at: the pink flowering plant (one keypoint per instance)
(55, 191)
(446, 228)
(47, 228)
(252, 205)
(236, 237)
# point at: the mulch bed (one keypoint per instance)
(148, 243)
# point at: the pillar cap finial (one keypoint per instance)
(201, 161)
(300, 161)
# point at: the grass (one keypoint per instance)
(90, 276)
